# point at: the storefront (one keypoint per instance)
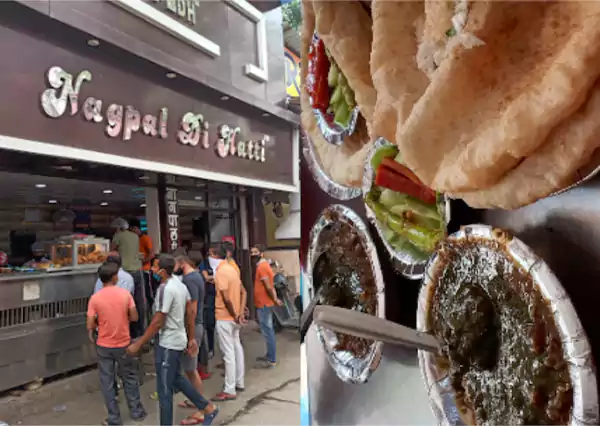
(152, 104)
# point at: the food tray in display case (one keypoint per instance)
(80, 253)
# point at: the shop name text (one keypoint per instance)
(125, 121)
(185, 9)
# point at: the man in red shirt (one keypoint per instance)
(110, 311)
(265, 297)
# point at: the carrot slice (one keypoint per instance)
(388, 178)
(401, 169)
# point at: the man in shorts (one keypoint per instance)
(195, 285)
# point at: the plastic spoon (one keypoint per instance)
(370, 327)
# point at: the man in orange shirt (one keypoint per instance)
(145, 243)
(265, 297)
(230, 305)
(110, 310)
(147, 254)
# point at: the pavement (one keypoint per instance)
(272, 397)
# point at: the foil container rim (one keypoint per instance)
(576, 347)
(405, 264)
(346, 372)
(578, 183)
(324, 181)
(334, 133)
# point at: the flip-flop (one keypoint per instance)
(194, 419)
(221, 397)
(186, 404)
(210, 417)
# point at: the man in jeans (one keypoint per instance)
(109, 311)
(265, 297)
(174, 321)
(230, 306)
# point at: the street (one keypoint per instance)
(272, 397)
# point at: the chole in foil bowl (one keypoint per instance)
(513, 350)
(325, 182)
(410, 218)
(331, 97)
(343, 270)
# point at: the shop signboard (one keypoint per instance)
(124, 121)
(91, 108)
(173, 234)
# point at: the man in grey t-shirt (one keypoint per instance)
(195, 285)
(174, 321)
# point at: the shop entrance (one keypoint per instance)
(208, 216)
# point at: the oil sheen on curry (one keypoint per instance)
(500, 344)
(344, 272)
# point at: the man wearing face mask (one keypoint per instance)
(265, 297)
(174, 321)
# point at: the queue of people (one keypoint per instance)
(192, 303)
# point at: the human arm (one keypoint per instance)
(243, 307)
(158, 321)
(131, 310)
(191, 309)
(91, 322)
(114, 244)
(204, 271)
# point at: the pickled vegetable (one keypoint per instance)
(422, 238)
(381, 153)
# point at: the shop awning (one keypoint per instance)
(290, 228)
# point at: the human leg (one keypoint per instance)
(239, 357)
(106, 369)
(224, 331)
(266, 328)
(206, 410)
(131, 385)
(167, 367)
(210, 324)
(190, 363)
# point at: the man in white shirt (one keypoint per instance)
(124, 279)
(174, 321)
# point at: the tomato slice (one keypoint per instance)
(390, 179)
(318, 68)
(401, 169)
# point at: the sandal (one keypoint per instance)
(186, 404)
(221, 397)
(194, 419)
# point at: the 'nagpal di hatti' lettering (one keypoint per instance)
(122, 120)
